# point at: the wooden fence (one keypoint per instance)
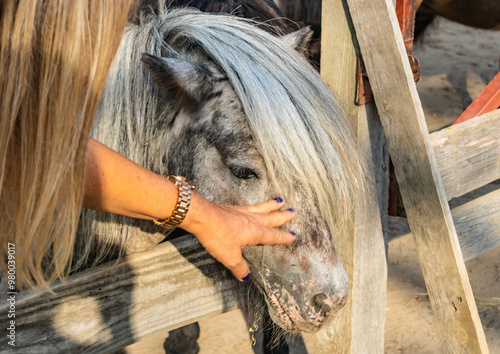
(177, 283)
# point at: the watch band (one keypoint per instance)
(184, 186)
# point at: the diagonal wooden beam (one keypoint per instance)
(417, 171)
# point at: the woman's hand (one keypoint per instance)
(224, 229)
(115, 184)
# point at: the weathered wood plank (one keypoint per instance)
(416, 167)
(76, 301)
(112, 305)
(359, 327)
(468, 154)
(478, 224)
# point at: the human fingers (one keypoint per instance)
(266, 207)
(275, 219)
(271, 236)
(237, 265)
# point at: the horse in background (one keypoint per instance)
(480, 14)
(246, 118)
(483, 14)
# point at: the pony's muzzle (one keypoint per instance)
(298, 303)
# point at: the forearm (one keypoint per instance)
(117, 185)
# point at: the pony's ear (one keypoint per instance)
(299, 40)
(189, 83)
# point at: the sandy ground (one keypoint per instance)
(456, 63)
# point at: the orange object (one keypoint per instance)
(405, 11)
(487, 101)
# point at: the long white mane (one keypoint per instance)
(297, 124)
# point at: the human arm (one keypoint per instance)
(117, 185)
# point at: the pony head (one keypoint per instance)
(246, 118)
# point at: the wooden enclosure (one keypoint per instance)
(177, 283)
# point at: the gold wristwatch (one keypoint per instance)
(184, 186)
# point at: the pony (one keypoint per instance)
(268, 17)
(244, 116)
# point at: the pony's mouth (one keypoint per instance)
(279, 316)
(287, 313)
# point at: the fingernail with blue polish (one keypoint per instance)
(247, 278)
(291, 210)
(278, 200)
(293, 233)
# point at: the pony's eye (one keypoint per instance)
(243, 173)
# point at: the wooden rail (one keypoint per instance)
(478, 224)
(468, 154)
(115, 304)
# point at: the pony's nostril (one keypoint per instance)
(320, 303)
